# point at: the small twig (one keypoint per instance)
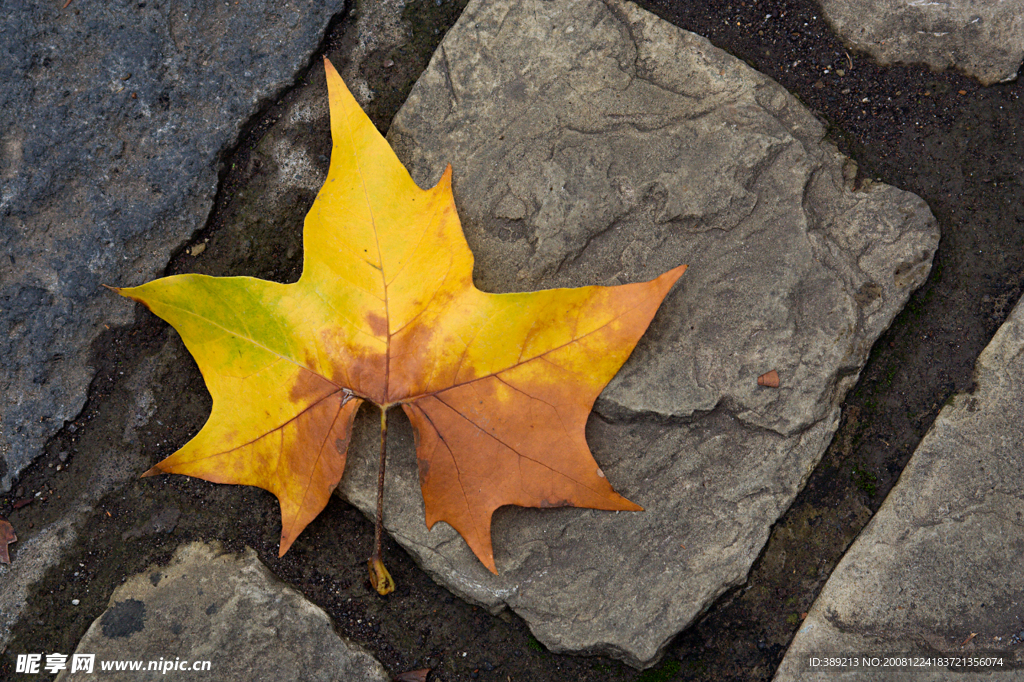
(66, 4)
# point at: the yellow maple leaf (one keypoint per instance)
(498, 387)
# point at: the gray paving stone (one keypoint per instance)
(981, 39)
(939, 569)
(227, 609)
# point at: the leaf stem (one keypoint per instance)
(379, 576)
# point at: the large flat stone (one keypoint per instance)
(593, 143)
(113, 117)
(228, 609)
(981, 39)
(939, 569)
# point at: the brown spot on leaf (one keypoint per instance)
(310, 386)
(359, 376)
(378, 324)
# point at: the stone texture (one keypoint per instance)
(112, 120)
(210, 605)
(938, 570)
(37, 555)
(30, 562)
(593, 143)
(982, 39)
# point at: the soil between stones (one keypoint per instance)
(942, 136)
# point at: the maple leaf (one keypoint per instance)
(498, 387)
(7, 536)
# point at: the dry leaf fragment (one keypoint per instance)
(413, 676)
(498, 387)
(769, 379)
(7, 536)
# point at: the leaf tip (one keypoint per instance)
(154, 471)
(674, 274)
(129, 292)
(288, 536)
(329, 67)
(623, 504)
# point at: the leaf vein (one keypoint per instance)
(269, 432)
(521, 363)
(512, 449)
